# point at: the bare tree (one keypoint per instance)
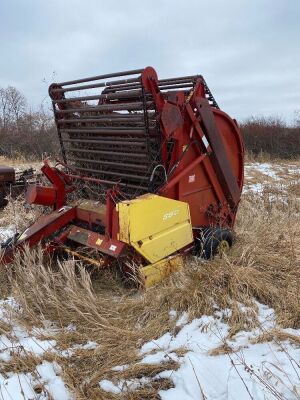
(12, 106)
(17, 102)
(4, 113)
(297, 118)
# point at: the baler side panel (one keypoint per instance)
(207, 162)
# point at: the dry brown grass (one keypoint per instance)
(294, 188)
(277, 335)
(20, 363)
(262, 265)
(19, 215)
(19, 162)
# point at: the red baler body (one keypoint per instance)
(128, 134)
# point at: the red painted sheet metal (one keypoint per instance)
(47, 225)
(96, 215)
(96, 241)
(219, 156)
(44, 195)
(205, 168)
(42, 229)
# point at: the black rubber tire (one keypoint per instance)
(3, 200)
(10, 241)
(209, 240)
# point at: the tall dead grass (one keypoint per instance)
(262, 265)
(18, 215)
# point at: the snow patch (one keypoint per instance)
(17, 387)
(45, 377)
(18, 341)
(184, 318)
(118, 368)
(249, 369)
(271, 178)
(49, 376)
(6, 232)
(264, 168)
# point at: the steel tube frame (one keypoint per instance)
(105, 76)
(111, 163)
(124, 142)
(108, 107)
(109, 96)
(110, 118)
(96, 85)
(109, 130)
(116, 174)
(101, 181)
(112, 153)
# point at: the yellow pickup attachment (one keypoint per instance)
(155, 226)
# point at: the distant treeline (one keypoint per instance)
(31, 134)
(271, 136)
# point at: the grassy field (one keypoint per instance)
(67, 333)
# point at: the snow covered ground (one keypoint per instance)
(6, 232)
(44, 383)
(262, 176)
(247, 370)
(213, 367)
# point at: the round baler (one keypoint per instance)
(156, 166)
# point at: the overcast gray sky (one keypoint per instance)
(248, 51)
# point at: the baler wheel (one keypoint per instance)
(213, 241)
(3, 200)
